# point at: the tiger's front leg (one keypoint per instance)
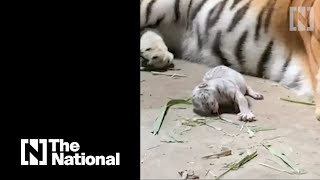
(154, 53)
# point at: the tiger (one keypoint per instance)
(253, 37)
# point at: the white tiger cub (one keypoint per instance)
(250, 36)
(224, 86)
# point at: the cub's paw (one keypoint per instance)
(246, 116)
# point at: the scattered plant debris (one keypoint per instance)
(174, 140)
(153, 147)
(158, 122)
(257, 129)
(168, 74)
(197, 121)
(220, 129)
(274, 168)
(223, 153)
(188, 174)
(284, 158)
(299, 102)
(250, 132)
(253, 131)
(240, 163)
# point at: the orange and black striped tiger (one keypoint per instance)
(250, 36)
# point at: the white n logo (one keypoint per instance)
(33, 152)
(302, 12)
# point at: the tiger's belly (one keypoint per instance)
(232, 37)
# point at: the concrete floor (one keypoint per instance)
(296, 132)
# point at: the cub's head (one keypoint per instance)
(203, 100)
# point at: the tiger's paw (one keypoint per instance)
(156, 59)
(154, 53)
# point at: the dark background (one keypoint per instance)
(73, 74)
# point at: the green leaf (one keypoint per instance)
(250, 132)
(255, 130)
(298, 102)
(284, 158)
(157, 124)
(240, 163)
(274, 168)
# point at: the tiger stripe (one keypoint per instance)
(265, 57)
(217, 9)
(199, 37)
(152, 26)
(238, 16)
(269, 15)
(235, 2)
(219, 92)
(177, 10)
(259, 23)
(188, 13)
(285, 66)
(239, 48)
(216, 49)
(149, 10)
(197, 9)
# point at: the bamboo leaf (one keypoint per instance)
(158, 122)
(274, 168)
(240, 163)
(255, 130)
(227, 152)
(250, 132)
(299, 102)
(284, 158)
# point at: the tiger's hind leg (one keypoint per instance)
(154, 53)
